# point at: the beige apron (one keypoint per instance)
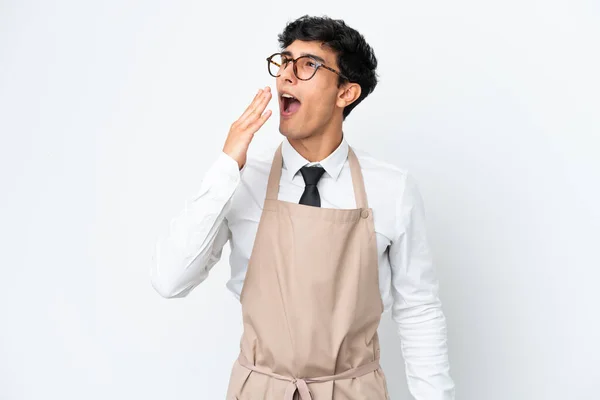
(311, 303)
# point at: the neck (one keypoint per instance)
(318, 146)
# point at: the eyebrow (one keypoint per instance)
(316, 57)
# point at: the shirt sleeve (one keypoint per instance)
(417, 310)
(184, 255)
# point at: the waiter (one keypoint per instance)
(323, 238)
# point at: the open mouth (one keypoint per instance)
(289, 105)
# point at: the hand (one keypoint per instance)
(242, 131)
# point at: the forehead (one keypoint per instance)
(315, 48)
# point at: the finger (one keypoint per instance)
(250, 106)
(257, 110)
(253, 104)
(261, 105)
(256, 125)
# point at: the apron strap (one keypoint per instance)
(301, 385)
(357, 180)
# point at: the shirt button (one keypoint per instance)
(365, 213)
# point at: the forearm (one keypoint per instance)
(423, 335)
(193, 243)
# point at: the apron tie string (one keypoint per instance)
(302, 388)
(301, 385)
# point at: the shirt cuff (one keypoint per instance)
(229, 167)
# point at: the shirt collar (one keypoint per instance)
(333, 163)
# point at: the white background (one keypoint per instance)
(111, 112)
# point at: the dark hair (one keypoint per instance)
(355, 57)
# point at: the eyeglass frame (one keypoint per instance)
(294, 69)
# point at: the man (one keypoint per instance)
(323, 238)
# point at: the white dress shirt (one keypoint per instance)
(228, 207)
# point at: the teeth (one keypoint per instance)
(288, 96)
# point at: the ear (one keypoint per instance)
(348, 94)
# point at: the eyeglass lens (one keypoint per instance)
(305, 66)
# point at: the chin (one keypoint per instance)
(286, 131)
(292, 134)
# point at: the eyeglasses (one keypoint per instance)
(305, 67)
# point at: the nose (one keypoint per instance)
(287, 73)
